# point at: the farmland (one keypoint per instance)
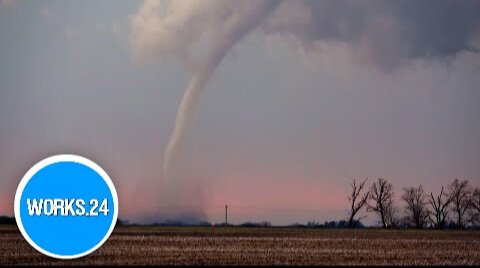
(232, 245)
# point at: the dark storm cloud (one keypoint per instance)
(385, 32)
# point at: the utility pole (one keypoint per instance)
(226, 215)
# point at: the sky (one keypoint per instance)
(316, 94)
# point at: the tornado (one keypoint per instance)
(167, 28)
(235, 28)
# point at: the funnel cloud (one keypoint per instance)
(164, 27)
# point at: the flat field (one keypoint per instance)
(261, 246)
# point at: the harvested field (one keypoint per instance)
(262, 246)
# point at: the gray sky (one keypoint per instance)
(284, 124)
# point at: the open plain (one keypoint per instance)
(261, 246)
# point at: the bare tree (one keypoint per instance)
(416, 206)
(460, 192)
(475, 207)
(381, 195)
(439, 213)
(390, 215)
(357, 200)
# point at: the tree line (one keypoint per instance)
(457, 206)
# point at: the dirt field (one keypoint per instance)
(206, 245)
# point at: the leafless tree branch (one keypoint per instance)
(461, 195)
(381, 198)
(439, 209)
(416, 206)
(357, 200)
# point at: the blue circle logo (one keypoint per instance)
(66, 206)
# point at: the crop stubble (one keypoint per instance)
(208, 245)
